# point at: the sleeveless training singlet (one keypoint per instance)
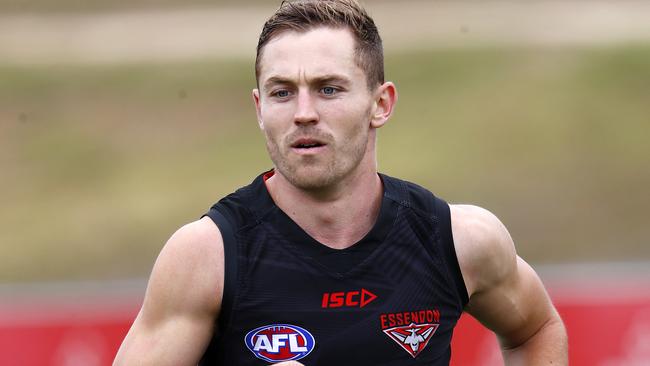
(392, 299)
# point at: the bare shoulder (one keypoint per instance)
(196, 240)
(506, 295)
(190, 266)
(484, 248)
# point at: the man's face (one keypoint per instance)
(314, 107)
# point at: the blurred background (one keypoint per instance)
(120, 121)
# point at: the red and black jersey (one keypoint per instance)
(392, 299)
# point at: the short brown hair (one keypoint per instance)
(304, 15)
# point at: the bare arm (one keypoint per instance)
(506, 295)
(182, 301)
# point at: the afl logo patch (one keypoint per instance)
(280, 342)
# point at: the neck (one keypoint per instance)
(338, 216)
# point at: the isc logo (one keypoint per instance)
(359, 298)
(279, 342)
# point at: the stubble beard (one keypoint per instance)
(318, 173)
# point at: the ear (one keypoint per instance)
(385, 99)
(258, 108)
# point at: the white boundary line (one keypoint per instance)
(231, 32)
(600, 283)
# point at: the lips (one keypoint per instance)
(307, 143)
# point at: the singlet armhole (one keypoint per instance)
(230, 265)
(443, 213)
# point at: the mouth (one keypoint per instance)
(308, 145)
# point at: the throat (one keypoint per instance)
(339, 233)
(335, 220)
(338, 225)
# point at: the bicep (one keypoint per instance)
(182, 301)
(514, 308)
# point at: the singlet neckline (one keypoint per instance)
(339, 260)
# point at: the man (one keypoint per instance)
(322, 259)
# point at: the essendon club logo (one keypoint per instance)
(411, 330)
(280, 342)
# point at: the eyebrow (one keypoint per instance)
(319, 80)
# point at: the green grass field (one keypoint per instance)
(101, 164)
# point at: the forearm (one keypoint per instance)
(173, 341)
(549, 346)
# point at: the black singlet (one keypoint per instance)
(392, 299)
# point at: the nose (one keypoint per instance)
(306, 112)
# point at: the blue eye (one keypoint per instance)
(282, 93)
(328, 90)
